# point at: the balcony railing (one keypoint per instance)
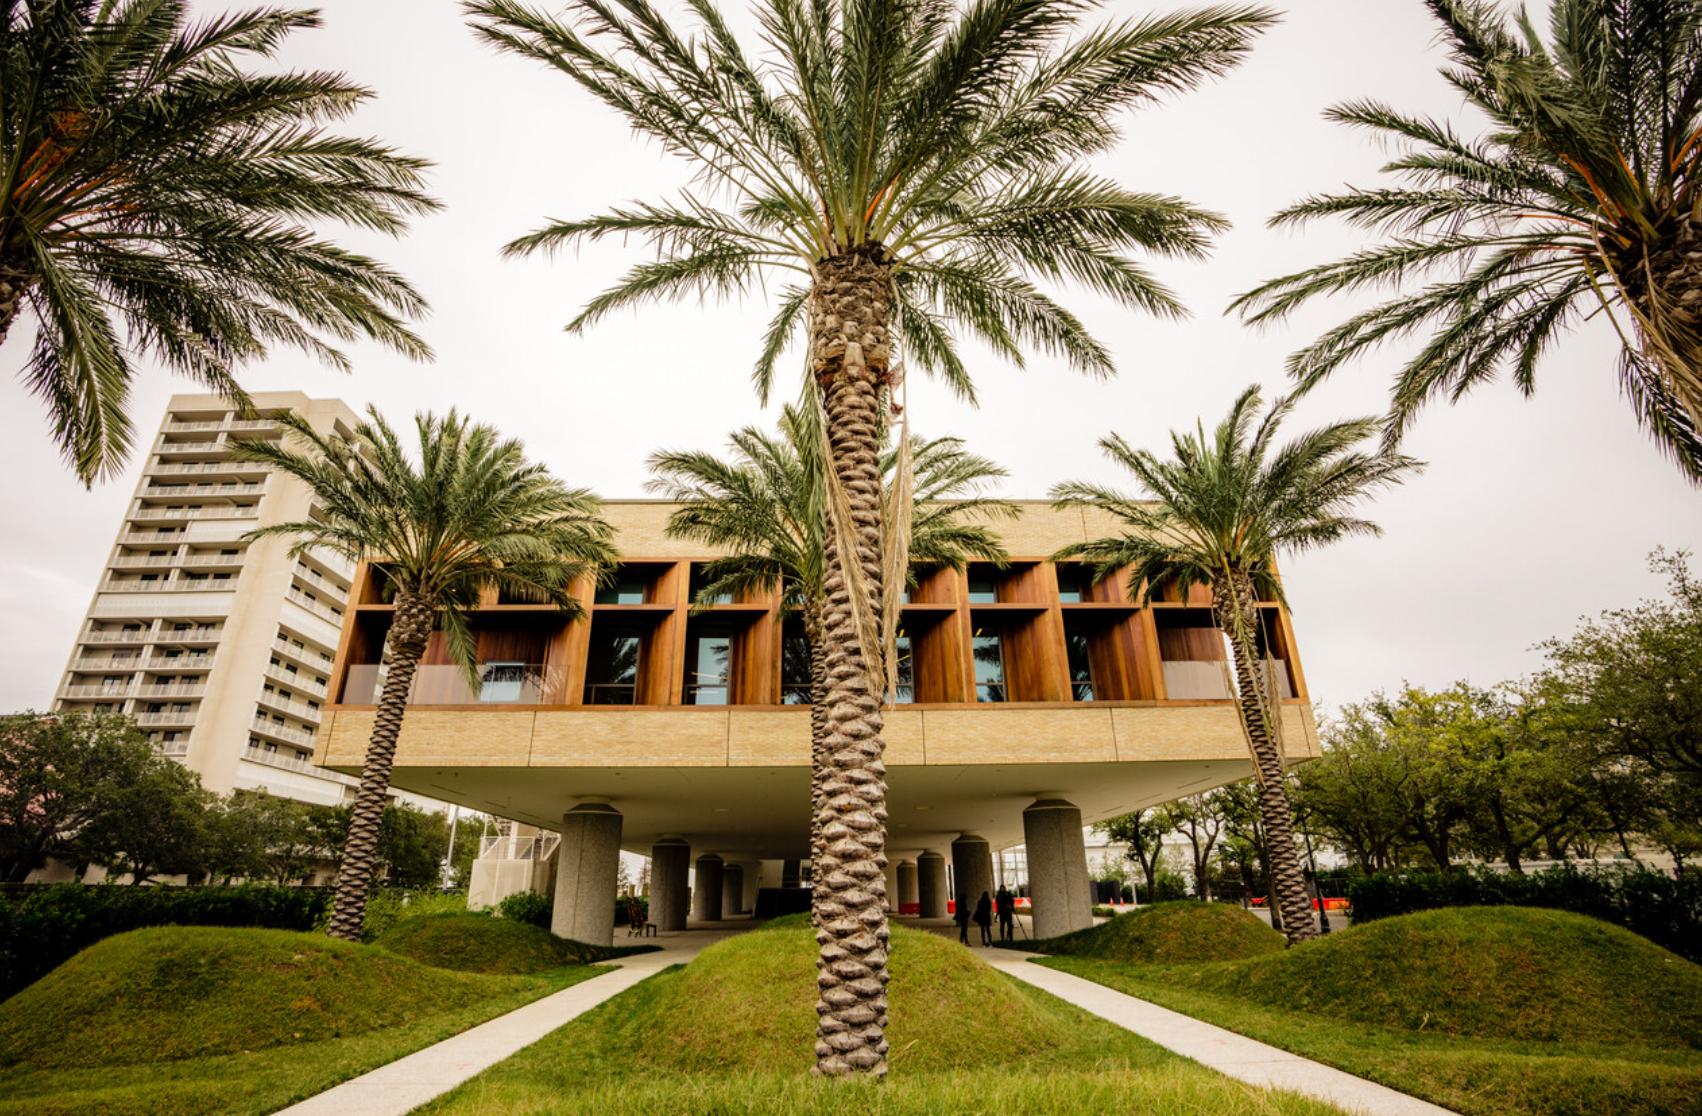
(106, 662)
(174, 689)
(283, 732)
(116, 636)
(203, 634)
(233, 512)
(142, 561)
(191, 468)
(190, 447)
(288, 761)
(179, 426)
(305, 655)
(213, 560)
(296, 681)
(298, 709)
(1211, 680)
(185, 717)
(611, 693)
(234, 488)
(152, 537)
(172, 747)
(504, 684)
(179, 662)
(318, 608)
(174, 585)
(116, 693)
(506, 846)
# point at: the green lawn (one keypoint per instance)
(1174, 933)
(1487, 1011)
(213, 1020)
(733, 1033)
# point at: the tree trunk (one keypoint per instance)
(410, 627)
(1237, 613)
(818, 738)
(13, 286)
(850, 306)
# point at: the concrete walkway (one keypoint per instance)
(405, 1084)
(1225, 1051)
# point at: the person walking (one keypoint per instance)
(1007, 914)
(960, 915)
(984, 918)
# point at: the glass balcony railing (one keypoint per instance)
(1211, 680)
(503, 684)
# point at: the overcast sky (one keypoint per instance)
(1532, 512)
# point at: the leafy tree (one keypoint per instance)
(158, 200)
(471, 514)
(60, 773)
(1581, 196)
(1217, 514)
(1352, 792)
(1199, 818)
(1142, 832)
(911, 168)
(152, 824)
(764, 503)
(412, 844)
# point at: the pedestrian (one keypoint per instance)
(984, 918)
(960, 915)
(1007, 914)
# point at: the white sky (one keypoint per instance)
(1531, 514)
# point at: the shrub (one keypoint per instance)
(1653, 904)
(387, 906)
(531, 907)
(40, 927)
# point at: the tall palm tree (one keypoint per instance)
(1583, 195)
(157, 201)
(1217, 514)
(911, 166)
(764, 504)
(471, 515)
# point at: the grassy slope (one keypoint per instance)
(733, 1031)
(478, 943)
(1489, 1010)
(208, 1019)
(1173, 933)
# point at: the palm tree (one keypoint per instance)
(1584, 195)
(912, 166)
(764, 504)
(1217, 514)
(472, 515)
(157, 202)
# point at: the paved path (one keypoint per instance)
(1225, 1051)
(405, 1084)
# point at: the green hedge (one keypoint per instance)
(1663, 909)
(41, 926)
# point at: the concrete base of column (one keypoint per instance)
(732, 890)
(971, 868)
(670, 883)
(706, 897)
(587, 864)
(931, 884)
(907, 892)
(1058, 882)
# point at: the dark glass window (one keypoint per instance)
(983, 589)
(611, 673)
(698, 582)
(904, 685)
(500, 682)
(627, 587)
(989, 653)
(794, 666)
(1073, 583)
(709, 661)
(1081, 669)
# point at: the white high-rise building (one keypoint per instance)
(220, 648)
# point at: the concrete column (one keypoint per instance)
(732, 890)
(1058, 882)
(706, 898)
(931, 884)
(971, 868)
(588, 861)
(670, 885)
(753, 881)
(907, 893)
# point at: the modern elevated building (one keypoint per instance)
(221, 649)
(1030, 701)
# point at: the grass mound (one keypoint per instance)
(1487, 972)
(748, 1003)
(798, 921)
(471, 942)
(174, 992)
(1174, 933)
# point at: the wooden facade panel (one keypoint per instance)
(631, 738)
(990, 734)
(769, 737)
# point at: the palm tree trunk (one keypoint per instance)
(13, 284)
(850, 307)
(818, 735)
(410, 627)
(1237, 613)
